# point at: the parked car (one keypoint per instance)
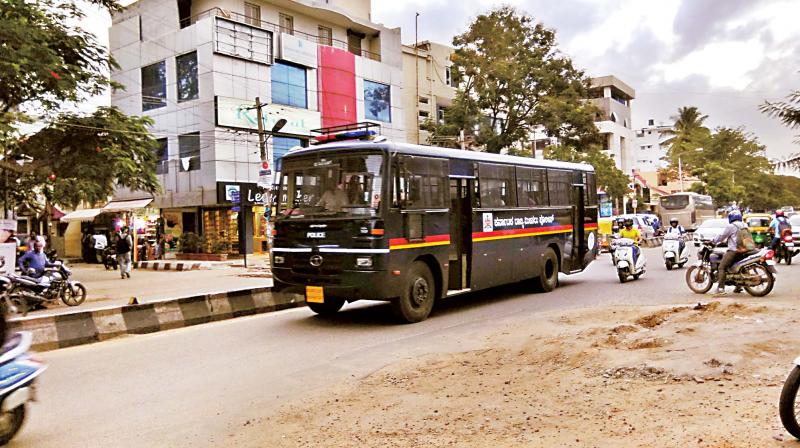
(708, 230)
(641, 222)
(795, 222)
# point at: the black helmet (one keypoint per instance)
(628, 222)
(673, 221)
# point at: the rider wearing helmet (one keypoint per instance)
(732, 254)
(778, 225)
(631, 233)
(677, 229)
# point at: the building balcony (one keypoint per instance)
(277, 29)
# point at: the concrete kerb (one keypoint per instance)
(100, 324)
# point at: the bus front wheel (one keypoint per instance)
(331, 306)
(419, 292)
(548, 277)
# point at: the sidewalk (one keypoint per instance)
(106, 288)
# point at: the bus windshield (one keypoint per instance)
(676, 202)
(335, 185)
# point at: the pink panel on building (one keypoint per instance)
(336, 80)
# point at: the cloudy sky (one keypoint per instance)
(724, 56)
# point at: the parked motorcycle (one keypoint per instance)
(786, 249)
(623, 260)
(755, 272)
(110, 258)
(670, 250)
(19, 369)
(30, 292)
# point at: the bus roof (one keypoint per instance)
(421, 150)
(685, 193)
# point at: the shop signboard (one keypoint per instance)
(241, 114)
(246, 194)
(299, 51)
(606, 209)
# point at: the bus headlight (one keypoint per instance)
(278, 259)
(364, 262)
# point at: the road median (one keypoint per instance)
(52, 332)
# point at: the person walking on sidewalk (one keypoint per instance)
(124, 246)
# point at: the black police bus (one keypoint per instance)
(410, 224)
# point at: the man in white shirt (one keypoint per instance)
(333, 199)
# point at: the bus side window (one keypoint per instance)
(497, 185)
(559, 187)
(421, 183)
(531, 188)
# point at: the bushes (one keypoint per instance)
(192, 243)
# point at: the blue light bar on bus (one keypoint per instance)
(350, 135)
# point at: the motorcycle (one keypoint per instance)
(623, 260)
(19, 369)
(110, 259)
(29, 292)
(785, 249)
(671, 252)
(755, 272)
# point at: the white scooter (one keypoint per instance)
(670, 248)
(623, 259)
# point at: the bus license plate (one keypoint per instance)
(314, 294)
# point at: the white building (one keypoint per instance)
(613, 98)
(196, 66)
(650, 150)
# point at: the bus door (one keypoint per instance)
(579, 248)
(461, 190)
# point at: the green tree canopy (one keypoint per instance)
(84, 158)
(609, 178)
(512, 79)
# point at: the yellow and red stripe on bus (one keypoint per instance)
(430, 240)
(519, 233)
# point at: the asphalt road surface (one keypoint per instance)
(209, 385)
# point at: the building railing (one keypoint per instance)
(275, 28)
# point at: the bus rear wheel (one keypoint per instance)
(548, 277)
(416, 299)
(331, 306)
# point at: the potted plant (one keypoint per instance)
(191, 247)
(221, 250)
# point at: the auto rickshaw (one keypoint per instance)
(759, 228)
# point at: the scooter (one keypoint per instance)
(670, 249)
(623, 260)
(786, 404)
(19, 369)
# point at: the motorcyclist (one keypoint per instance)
(677, 229)
(777, 226)
(732, 254)
(35, 260)
(631, 233)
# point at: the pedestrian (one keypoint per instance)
(124, 246)
(100, 242)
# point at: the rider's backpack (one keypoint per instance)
(784, 227)
(744, 240)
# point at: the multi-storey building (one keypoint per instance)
(196, 67)
(650, 150)
(613, 99)
(428, 87)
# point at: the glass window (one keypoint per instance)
(448, 76)
(325, 35)
(154, 86)
(331, 185)
(187, 76)
(559, 184)
(676, 202)
(496, 185)
(531, 187)
(289, 85)
(377, 101)
(354, 44)
(287, 23)
(252, 14)
(421, 182)
(162, 156)
(282, 145)
(189, 146)
(591, 188)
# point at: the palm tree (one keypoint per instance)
(787, 111)
(688, 121)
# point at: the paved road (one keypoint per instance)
(209, 385)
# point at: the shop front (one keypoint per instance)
(241, 211)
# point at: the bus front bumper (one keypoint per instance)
(347, 284)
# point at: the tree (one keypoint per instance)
(787, 111)
(609, 178)
(84, 158)
(512, 79)
(686, 136)
(47, 59)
